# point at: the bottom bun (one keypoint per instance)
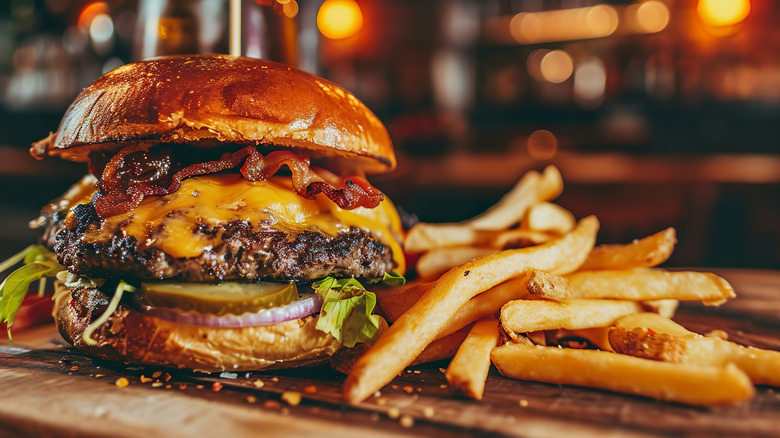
(133, 337)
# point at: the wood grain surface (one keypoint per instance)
(49, 389)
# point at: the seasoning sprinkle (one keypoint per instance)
(156, 374)
(292, 398)
(74, 367)
(121, 382)
(524, 403)
(251, 399)
(311, 389)
(145, 379)
(407, 421)
(157, 384)
(258, 383)
(216, 386)
(393, 413)
(428, 412)
(272, 404)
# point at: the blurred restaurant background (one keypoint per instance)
(657, 112)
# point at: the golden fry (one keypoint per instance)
(533, 315)
(531, 189)
(468, 370)
(442, 348)
(548, 217)
(651, 284)
(647, 252)
(436, 262)
(487, 303)
(416, 328)
(691, 384)
(518, 238)
(394, 303)
(546, 285)
(653, 337)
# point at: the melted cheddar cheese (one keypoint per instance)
(168, 221)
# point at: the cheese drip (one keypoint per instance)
(167, 222)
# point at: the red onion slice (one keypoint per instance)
(305, 306)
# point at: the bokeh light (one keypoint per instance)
(557, 66)
(90, 11)
(651, 16)
(723, 12)
(339, 19)
(542, 145)
(590, 82)
(564, 25)
(101, 29)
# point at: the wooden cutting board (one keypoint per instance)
(48, 389)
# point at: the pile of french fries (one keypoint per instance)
(524, 287)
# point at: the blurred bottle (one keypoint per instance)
(269, 30)
(169, 27)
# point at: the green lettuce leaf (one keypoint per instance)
(39, 263)
(393, 279)
(347, 311)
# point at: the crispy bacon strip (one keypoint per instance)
(118, 195)
(347, 192)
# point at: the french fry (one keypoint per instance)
(667, 307)
(394, 303)
(653, 337)
(416, 328)
(512, 207)
(539, 283)
(684, 383)
(549, 217)
(486, 304)
(434, 263)
(442, 348)
(545, 285)
(531, 189)
(653, 321)
(468, 370)
(651, 284)
(518, 238)
(598, 336)
(647, 252)
(533, 315)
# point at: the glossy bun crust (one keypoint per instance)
(218, 99)
(132, 337)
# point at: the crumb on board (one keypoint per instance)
(292, 398)
(121, 382)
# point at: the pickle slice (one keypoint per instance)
(217, 299)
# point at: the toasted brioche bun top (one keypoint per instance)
(215, 99)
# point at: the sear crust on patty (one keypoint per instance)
(245, 253)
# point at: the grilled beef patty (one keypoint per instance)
(245, 253)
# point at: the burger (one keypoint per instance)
(225, 223)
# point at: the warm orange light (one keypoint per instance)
(338, 19)
(542, 145)
(564, 25)
(557, 66)
(89, 13)
(723, 12)
(652, 16)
